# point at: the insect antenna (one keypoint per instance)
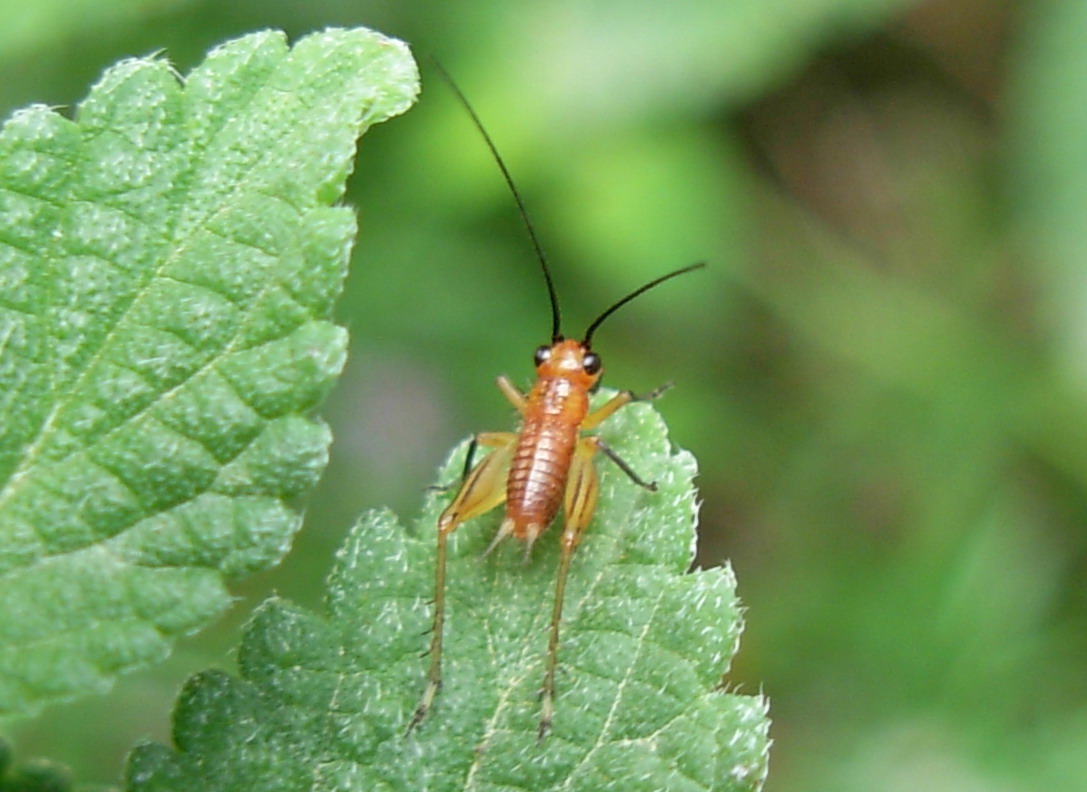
(556, 333)
(586, 341)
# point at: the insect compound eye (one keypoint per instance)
(542, 355)
(591, 363)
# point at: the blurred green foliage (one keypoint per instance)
(882, 372)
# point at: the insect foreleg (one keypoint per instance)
(483, 488)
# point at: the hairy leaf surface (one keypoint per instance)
(168, 264)
(323, 700)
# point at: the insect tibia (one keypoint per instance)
(609, 452)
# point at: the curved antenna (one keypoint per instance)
(640, 290)
(556, 333)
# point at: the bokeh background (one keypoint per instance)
(883, 371)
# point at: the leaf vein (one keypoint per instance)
(33, 447)
(600, 741)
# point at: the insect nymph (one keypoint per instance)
(547, 463)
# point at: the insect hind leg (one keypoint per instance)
(491, 439)
(579, 503)
(483, 488)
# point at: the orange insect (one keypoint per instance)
(546, 463)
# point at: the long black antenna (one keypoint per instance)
(556, 333)
(640, 290)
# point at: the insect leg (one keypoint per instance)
(469, 460)
(484, 488)
(608, 408)
(579, 503)
(512, 393)
(481, 439)
(609, 452)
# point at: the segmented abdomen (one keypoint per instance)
(541, 460)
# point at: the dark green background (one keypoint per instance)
(883, 371)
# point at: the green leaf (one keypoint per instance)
(323, 701)
(168, 264)
(37, 775)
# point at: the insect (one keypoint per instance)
(547, 463)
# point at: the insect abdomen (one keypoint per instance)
(541, 461)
